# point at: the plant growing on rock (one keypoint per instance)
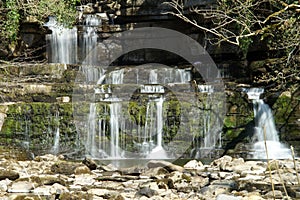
(16, 11)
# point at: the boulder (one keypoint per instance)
(47, 157)
(277, 194)
(165, 183)
(8, 174)
(4, 185)
(146, 191)
(222, 162)
(90, 163)
(82, 170)
(42, 190)
(193, 164)
(74, 196)
(58, 189)
(21, 187)
(51, 179)
(63, 167)
(157, 172)
(104, 193)
(167, 165)
(108, 168)
(135, 171)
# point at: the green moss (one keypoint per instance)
(137, 112)
(282, 107)
(36, 123)
(229, 122)
(186, 177)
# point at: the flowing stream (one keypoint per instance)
(265, 130)
(110, 130)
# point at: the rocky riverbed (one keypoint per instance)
(227, 178)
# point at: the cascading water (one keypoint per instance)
(55, 148)
(265, 129)
(210, 137)
(72, 45)
(88, 38)
(62, 43)
(158, 151)
(115, 113)
(90, 140)
(114, 131)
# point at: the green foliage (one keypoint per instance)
(36, 10)
(245, 44)
(11, 26)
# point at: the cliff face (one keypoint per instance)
(36, 99)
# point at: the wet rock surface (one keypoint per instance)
(222, 179)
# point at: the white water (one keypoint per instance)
(264, 121)
(62, 43)
(116, 77)
(153, 77)
(148, 136)
(115, 112)
(55, 148)
(56, 139)
(156, 89)
(72, 46)
(254, 93)
(205, 88)
(158, 152)
(210, 137)
(88, 39)
(90, 144)
(265, 130)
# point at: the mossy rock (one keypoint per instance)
(36, 123)
(286, 111)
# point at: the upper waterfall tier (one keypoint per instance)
(137, 75)
(268, 144)
(254, 93)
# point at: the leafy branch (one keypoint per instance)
(237, 22)
(16, 11)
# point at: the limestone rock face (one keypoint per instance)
(32, 93)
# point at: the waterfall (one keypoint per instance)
(210, 136)
(115, 113)
(73, 45)
(108, 137)
(158, 152)
(88, 38)
(115, 77)
(153, 77)
(55, 147)
(205, 88)
(264, 121)
(92, 74)
(265, 129)
(62, 43)
(90, 140)
(159, 110)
